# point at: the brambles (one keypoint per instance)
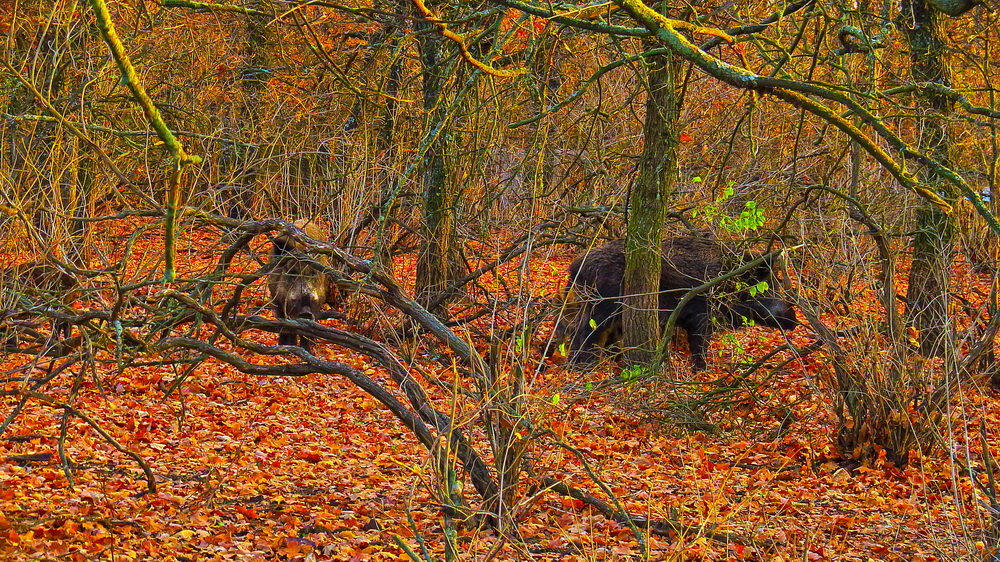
(30, 287)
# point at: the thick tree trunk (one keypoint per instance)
(927, 295)
(647, 208)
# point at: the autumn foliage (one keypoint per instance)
(144, 417)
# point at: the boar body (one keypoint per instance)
(298, 287)
(595, 294)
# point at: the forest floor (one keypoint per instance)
(297, 468)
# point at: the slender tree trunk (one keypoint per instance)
(240, 160)
(433, 262)
(388, 151)
(76, 195)
(647, 209)
(929, 279)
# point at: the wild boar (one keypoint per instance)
(596, 286)
(299, 288)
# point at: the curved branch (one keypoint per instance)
(947, 93)
(377, 283)
(670, 23)
(793, 92)
(875, 151)
(462, 47)
(578, 23)
(710, 44)
(311, 365)
(711, 283)
(206, 7)
(472, 462)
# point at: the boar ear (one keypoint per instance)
(283, 243)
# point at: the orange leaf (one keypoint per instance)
(310, 456)
(247, 512)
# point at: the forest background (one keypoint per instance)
(460, 155)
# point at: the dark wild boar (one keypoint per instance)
(299, 288)
(595, 295)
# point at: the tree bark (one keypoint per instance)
(388, 150)
(239, 161)
(434, 259)
(929, 279)
(647, 210)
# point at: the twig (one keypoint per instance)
(662, 528)
(70, 409)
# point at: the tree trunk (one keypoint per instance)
(239, 161)
(927, 295)
(436, 245)
(647, 208)
(76, 193)
(387, 150)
